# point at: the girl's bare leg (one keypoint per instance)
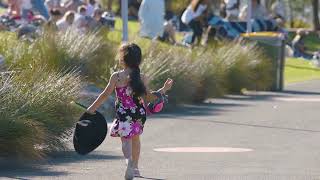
(127, 152)
(136, 146)
(127, 148)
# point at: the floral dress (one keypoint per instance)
(130, 114)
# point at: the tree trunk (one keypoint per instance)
(315, 6)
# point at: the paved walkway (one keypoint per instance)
(279, 133)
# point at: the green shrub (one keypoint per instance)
(179, 5)
(36, 111)
(89, 53)
(298, 23)
(161, 62)
(246, 67)
(204, 73)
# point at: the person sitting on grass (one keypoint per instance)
(14, 8)
(193, 17)
(80, 21)
(299, 48)
(96, 21)
(66, 22)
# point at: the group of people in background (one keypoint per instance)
(157, 20)
(152, 15)
(83, 16)
(197, 14)
(231, 10)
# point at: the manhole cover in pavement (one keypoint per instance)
(202, 149)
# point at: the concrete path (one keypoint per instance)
(259, 136)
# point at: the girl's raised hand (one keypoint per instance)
(168, 84)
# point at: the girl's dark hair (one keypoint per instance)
(130, 53)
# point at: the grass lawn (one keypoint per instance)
(116, 35)
(2, 10)
(312, 41)
(134, 28)
(298, 70)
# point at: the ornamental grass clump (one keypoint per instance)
(207, 72)
(90, 53)
(36, 111)
(246, 67)
(161, 62)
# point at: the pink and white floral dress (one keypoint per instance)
(130, 114)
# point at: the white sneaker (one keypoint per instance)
(136, 172)
(129, 171)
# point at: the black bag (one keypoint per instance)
(90, 132)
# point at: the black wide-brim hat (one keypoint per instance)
(90, 132)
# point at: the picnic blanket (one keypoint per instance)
(232, 30)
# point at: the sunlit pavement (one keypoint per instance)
(260, 135)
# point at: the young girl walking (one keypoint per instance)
(131, 89)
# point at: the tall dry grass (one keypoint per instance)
(204, 73)
(48, 73)
(36, 111)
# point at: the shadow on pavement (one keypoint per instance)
(22, 173)
(14, 170)
(299, 93)
(142, 177)
(253, 125)
(71, 157)
(220, 105)
(201, 109)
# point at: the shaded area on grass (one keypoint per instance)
(298, 70)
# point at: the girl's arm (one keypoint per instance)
(150, 97)
(166, 86)
(104, 95)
